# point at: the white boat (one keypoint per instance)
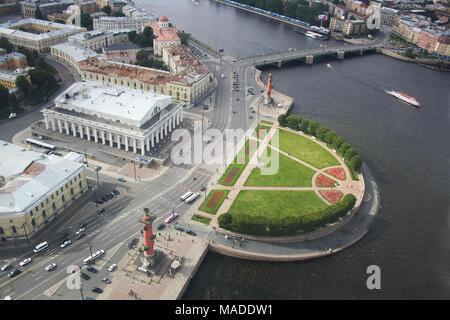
(311, 35)
(404, 97)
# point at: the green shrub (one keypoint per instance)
(282, 120)
(343, 148)
(313, 126)
(293, 122)
(321, 131)
(329, 136)
(337, 142)
(349, 153)
(304, 125)
(356, 162)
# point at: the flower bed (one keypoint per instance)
(332, 196)
(323, 181)
(337, 172)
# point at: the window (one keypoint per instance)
(44, 214)
(70, 182)
(37, 209)
(33, 223)
(57, 193)
(63, 198)
(53, 197)
(81, 186)
(62, 189)
(1, 230)
(53, 206)
(71, 191)
(13, 229)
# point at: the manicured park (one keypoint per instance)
(214, 201)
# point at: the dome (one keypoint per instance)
(163, 19)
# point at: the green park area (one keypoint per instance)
(289, 173)
(276, 204)
(267, 122)
(261, 131)
(200, 218)
(304, 149)
(214, 201)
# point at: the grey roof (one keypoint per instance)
(121, 46)
(14, 159)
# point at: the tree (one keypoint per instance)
(148, 32)
(225, 220)
(349, 153)
(5, 44)
(343, 148)
(329, 136)
(132, 36)
(321, 131)
(86, 21)
(23, 84)
(304, 126)
(184, 37)
(142, 55)
(107, 9)
(60, 21)
(356, 162)
(38, 13)
(313, 128)
(293, 121)
(282, 120)
(337, 141)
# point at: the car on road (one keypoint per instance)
(178, 228)
(25, 262)
(106, 280)
(112, 267)
(84, 276)
(191, 232)
(92, 269)
(83, 225)
(50, 267)
(14, 273)
(122, 180)
(65, 243)
(100, 201)
(100, 211)
(161, 226)
(97, 290)
(81, 235)
(81, 230)
(97, 168)
(6, 267)
(234, 111)
(132, 243)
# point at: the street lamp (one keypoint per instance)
(25, 230)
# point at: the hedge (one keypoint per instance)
(285, 226)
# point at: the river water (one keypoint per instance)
(407, 149)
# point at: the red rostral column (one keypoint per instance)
(269, 87)
(149, 237)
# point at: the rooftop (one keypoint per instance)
(119, 104)
(77, 52)
(163, 34)
(32, 177)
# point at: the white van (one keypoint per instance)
(222, 76)
(41, 246)
(192, 197)
(186, 195)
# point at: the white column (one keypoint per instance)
(170, 125)
(88, 133)
(178, 118)
(153, 139)
(118, 141)
(102, 134)
(47, 125)
(53, 125)
(126, 142)
(174, 122)
(81, 131)
(134, 145)
(66, 124)
(142, 147)
(181, 115)
(162, 131)
(165, 128)
(110, 140)
(157, 136)
(74, 129)
(95, 135)
(147, 142)
(60, 128)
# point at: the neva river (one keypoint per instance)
(408, 150)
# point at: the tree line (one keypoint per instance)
(324, 134)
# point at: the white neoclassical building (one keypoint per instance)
(121, 117)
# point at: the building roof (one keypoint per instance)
(77, 52)
(186, 59)
(8, 76)
(35, 177)
(163, 34)
(163, 19)
(114, 103)
(121, 46)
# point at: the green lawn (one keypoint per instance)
(201, 219)
(204, 207)
(276, 203)
(290, 174)
(266, 122)
(261, 137)
(304, 149)
(234, 164)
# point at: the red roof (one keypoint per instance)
(163, 19)
(163, 34)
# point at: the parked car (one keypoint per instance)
(100, 211)
(191, 232)
(50, 267)
(14, 273)
(112, 267)
(83, 225)
(97, 290)
(81, 230)
(100, 201)
(92, 269)
(25, 262)
(122, 180)
(132, 243)
(65, 243)
(106, 280)
(84, 276)
(6, 267)
(81, 235)
(179, 228)
(161, 226)
(116, 192)
(97, 168)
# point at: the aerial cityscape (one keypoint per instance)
(224, 150)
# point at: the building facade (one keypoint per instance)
(336, 24)
(165, 35)
(116, 23)
(352, 27)
(12, 61)
(72, 53)
(123, 118)
(34, 188)
(9, 9)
